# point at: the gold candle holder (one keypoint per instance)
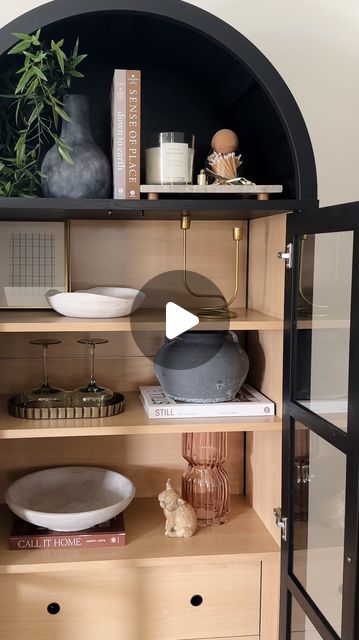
(215, 312)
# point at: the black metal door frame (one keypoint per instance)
(330, 219)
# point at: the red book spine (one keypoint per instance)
(67, 541)
(133, 133)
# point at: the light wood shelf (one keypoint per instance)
(244, 537)
(132, 421)
(143, 320)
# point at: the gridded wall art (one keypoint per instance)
(33, 259)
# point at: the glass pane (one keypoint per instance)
(323, 327)
(319, 509)
(302, 628)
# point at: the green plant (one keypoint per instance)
(31, 109)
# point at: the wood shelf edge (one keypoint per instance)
(133, 421)
(146, 320)
(243, 538)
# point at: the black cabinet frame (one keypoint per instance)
(331, 219)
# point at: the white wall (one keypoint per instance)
(314, 45)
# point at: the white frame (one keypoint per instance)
(33, 259)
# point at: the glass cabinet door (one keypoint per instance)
(301, 626)
(321, 427)
(323, 323)
(318, 521)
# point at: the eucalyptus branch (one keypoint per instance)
(31, 109)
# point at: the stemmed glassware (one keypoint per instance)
(45, 395)
(92, 394)
(47, 402)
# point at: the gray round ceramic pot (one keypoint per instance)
(202, 366)
(90, 175)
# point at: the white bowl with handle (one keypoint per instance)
(97, 302)
(70, 498)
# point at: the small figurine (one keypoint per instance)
(181, 519)
(224, 161)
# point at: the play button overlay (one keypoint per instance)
(178, 320)
(171, 311)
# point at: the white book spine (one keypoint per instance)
(173, 410)
(119, 134)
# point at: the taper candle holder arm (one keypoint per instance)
(223, 310)
(237, 237)
(185, 225)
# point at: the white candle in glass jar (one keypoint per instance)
(169, 163)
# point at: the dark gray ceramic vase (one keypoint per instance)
(202, 366)
(90, 176)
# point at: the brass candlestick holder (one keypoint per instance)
(222, 311)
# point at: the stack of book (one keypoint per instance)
(248, 402)
(25, 536)
(126, 133)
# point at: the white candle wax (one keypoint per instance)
(170, 163)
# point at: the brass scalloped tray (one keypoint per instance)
(112, 407)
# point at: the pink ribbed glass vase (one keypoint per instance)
(205, 483)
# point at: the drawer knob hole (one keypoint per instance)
(196, 600)
(53, 608)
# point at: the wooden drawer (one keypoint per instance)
(230, 605)
(152, 603)
(92, 606)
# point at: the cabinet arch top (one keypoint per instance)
(233, 75)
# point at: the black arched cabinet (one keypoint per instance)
(202, 75)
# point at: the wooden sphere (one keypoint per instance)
(224, 141)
